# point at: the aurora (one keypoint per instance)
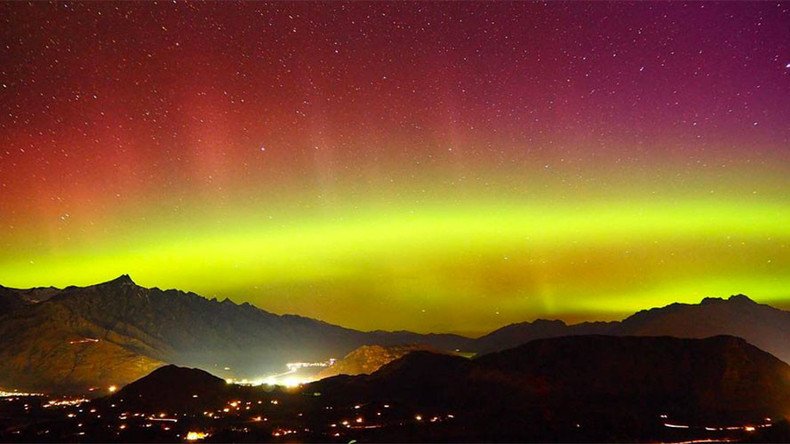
(379, 171)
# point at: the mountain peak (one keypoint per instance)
(741, 298)
(738, 298)
(170, 387)
(157, 380)
(123, 279)
(548, 322)
(174, 371)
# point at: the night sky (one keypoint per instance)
(425, 166)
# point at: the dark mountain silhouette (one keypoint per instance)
(575, 388)
(171, 380)
(612, 387)
(440, 341)
(762, 325)
(698, 379)
(10, 300)
(520, 333)
(171, 388)
(112, 333)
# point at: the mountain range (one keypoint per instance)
(609, 386)
(74, 339)
(762, 325)
(574, 388)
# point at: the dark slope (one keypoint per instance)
(579, 388)
(613, 387)
(10, 300)
(762, 325)
(440, 341)
(516, 334)
(171, 388)
(13, 298)
(51, 347)
(717, 377)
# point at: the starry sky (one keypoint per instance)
(425, 166)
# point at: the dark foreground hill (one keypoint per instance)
(577, 389)
(170, 387)
(581, 388)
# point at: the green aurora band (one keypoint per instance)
(445, 262)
